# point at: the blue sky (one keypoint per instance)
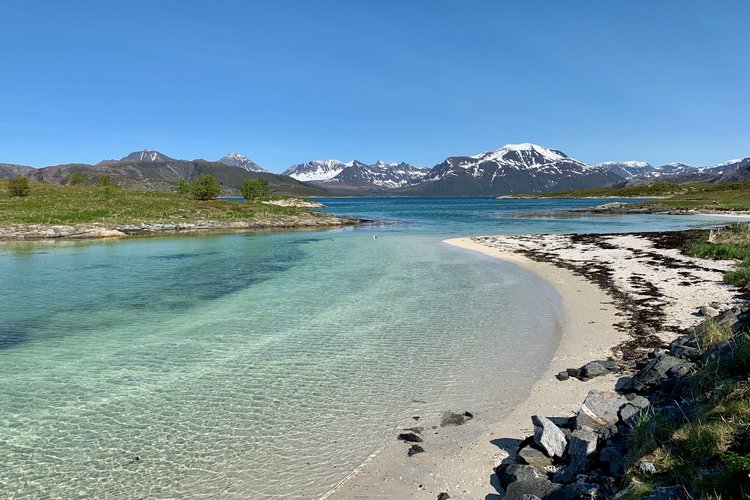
(285, 82)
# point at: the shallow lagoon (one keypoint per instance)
(264, 364)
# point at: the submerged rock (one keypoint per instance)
(415, 449)
(450, 418)
(410, 437)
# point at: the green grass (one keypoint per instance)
(731, 243)
(699, 196)
(56, 204)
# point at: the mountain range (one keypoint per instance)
(513, 169)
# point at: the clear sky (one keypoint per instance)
(286, 82)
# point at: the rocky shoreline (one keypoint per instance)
(666, 301)
(30, 232)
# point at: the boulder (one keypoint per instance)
(708, 311)
(443, 496)
(548, 436)
(562, 376)
(581, 452)
(531, 456)
(656, 372)
(600, 412)
(591, 370)
(508, 473)
(612, 455)
(635, 405)
(518, 490)
(574, 372)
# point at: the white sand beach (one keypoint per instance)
(460, 460)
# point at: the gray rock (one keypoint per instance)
(635, 405)
(612, 455)
(410, 437)
(531, 497)
(656, 372)
(685, 352)
(600, 412)
(573, 372)
(548, 436)
(647, 468)
(581, 450)
(443, 496)
(592, 369)
(708, 311)
(508, 473)
(537, 487)
(667, 493)
(532, 456)
(415, 449)
(562, 376)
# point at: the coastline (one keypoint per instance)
(93, 231)
(461, 459)
(622, 295)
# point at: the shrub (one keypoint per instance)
(19, 186)
(75, 179)
(183, 188)
(206, 187)
(106, 180)
(254, 189)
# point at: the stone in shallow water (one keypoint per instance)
(409, 437)
(415, 449)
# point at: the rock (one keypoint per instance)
(591, 370)
(562, 376)
(537, 487)
(450, 418)
(573, 372)
(581, 451)
(508, 473)
(612, 455)
(656, 372)
(647, 468)
(443, 496)
(635, 405)
(532, 456)
(410, 437)
(708, 311)
(415, 449)
(468, 414)
(600, 412)
(685, 352)
(548, 436)
(667, 493)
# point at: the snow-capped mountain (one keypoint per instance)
(630, 169)
(316, 170)
(147, 155)
(237, 160)
(356, 175)
(514, 168)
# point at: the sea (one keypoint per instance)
(267, 365)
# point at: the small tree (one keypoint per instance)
(106, 180)
(205, 187)
(254, 189)
(183, 188)
(75, 179)
(19, 186)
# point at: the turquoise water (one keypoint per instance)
(265, 365)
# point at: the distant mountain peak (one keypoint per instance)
(237, 160)
(147, 155)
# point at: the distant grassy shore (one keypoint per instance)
(730, 196)
(98, 211)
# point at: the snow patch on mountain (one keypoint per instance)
(237, 160)
(316, 170)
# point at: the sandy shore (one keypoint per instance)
(622, 295)
(460, 460)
